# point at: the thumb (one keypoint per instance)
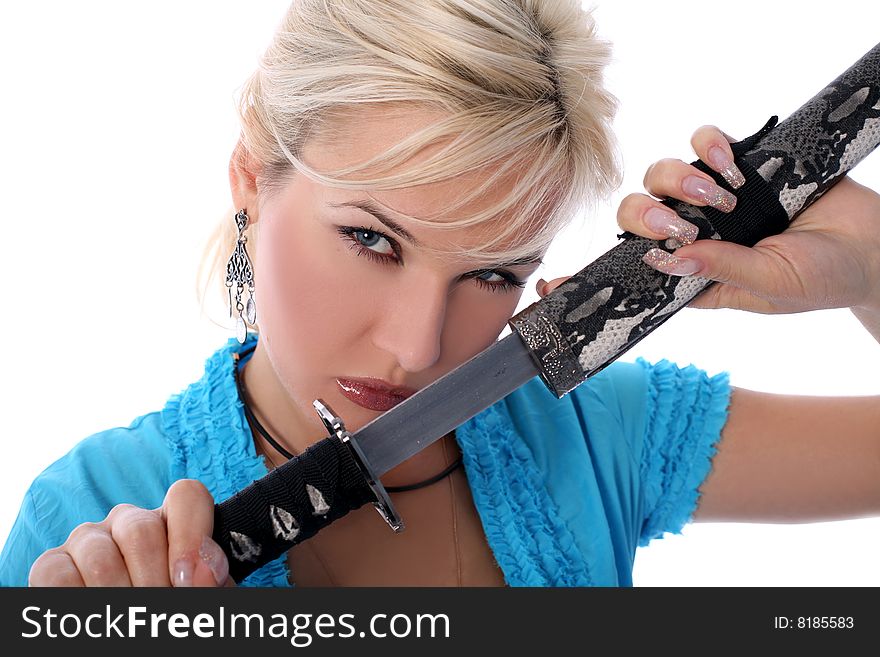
(725, 262)
(193, 557)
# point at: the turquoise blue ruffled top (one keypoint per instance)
(566, 489)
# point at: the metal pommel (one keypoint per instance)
(337, 429)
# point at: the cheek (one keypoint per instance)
(306, 310)
(285, 280)
(474, 320)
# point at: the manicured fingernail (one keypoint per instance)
(669, 263)
(540, 285)
(212, 556)
(721, 162)
(183, 572)
(671, 225)
(709, 193)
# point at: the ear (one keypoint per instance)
(243, 172)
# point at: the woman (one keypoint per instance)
(413, 327)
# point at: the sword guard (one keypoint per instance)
(336, 427)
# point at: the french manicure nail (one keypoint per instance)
(213, 557)
(709, 193)
(721, 162)
(183, 572)
(671, 225)
(669, 263)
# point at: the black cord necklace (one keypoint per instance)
(252, 419)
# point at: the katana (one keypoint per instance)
(566, 337)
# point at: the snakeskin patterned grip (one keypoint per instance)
(603, 310)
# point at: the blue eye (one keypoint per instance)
(489, 274)
(385, 250)
(370, 239)
(503, 281)
(371, 243)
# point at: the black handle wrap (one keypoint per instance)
(289, 505)
(606, 308)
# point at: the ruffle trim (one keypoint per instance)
(689, 411)
(531, 544)
(209, 439)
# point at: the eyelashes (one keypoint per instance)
(507, 283)
(358, 236)
(364, 240)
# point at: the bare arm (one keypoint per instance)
(786, 458)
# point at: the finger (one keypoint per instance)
(97, 557)
(543, 288)
(677, 179)
(751, 269)
(645, 216)
(143, 543)
(194, 559)
(713, 147)
(54, 568)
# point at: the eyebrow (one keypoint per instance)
(380, 215)
(535, 258)
(377, 212)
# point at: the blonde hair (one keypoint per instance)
(518, 84)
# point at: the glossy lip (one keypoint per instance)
(374, 394)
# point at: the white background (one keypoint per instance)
(116, 124)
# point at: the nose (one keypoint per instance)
(411, 325)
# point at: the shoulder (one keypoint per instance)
(600, 422)
(614, 463)
(200, 434)
(132, 464)
(636, 398)
(657, 422)
(620, 382)
(617, 397)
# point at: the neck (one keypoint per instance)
(273, 407)
(282, 418)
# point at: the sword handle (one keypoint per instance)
(298, 499)
(607, 307)
(289, 505)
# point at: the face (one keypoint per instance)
(343, 296)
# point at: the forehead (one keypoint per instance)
(348, 137)
(369, 133)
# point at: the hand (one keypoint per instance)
(827, 258)
(168, 546)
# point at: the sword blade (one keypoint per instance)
(451, 400)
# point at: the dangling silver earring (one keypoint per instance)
(239, 271)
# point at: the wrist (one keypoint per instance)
(869, 307)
